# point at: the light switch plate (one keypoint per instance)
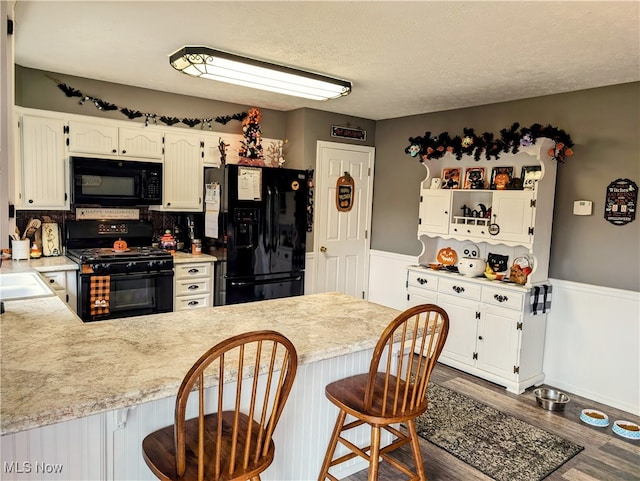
(582, 207)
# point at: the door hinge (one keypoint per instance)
(65, 196)
(363, 294)
(65, 129)
(532, 203)
(369, 172)
(516, 369)
(475, 356)
(202, 144)
(67, 298)
(421, 198)
(519, 326)
(419, 221)
(366, 234)
(477, 314)
(530, 231)
(408, 297)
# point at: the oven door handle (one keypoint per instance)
(268, 281)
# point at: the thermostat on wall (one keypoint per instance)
(582, 207)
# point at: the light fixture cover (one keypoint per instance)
(208, 63)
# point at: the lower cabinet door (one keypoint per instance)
(499, 341)
(463, 326)
(415, 297)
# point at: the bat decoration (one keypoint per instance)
(70, 91)
(169, 120)
(131, 114)
(102, 105)
(191, 122)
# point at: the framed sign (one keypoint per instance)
(344, 193)
(621, 201)
(348, 133)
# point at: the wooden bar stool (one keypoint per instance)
(387, 396)
(254, 373)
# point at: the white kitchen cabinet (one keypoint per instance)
(435, 206)
(491, 332)
(211, 150)
(193, 285)
(513, 213)
(43, 183)
(63, 283)
(95, 138)
(183, 173)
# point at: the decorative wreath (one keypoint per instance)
(430, 147)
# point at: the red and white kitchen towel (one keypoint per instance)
(99, 295)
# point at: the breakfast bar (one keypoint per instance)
(81, 396)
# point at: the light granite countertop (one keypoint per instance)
(43, 264)
(185, 258)
(55, 367)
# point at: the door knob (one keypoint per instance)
(323, 249)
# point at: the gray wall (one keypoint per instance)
(604, 124)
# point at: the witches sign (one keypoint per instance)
(621, 202)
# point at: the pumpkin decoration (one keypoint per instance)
(447, 256)
(120, 245)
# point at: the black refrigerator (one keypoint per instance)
(260, 242)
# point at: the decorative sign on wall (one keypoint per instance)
(621, 201)
(348, 133)
(344, 193)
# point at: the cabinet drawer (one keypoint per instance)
(469, 230)
(192, 302)
(56, 280)
(503, 298)
(201, 269)
(460, 288)
(192, 286)
(422, 280)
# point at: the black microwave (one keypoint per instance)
(116, 182)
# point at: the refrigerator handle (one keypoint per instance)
(266, 239)
(275, 225)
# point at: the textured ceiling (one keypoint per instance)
(403, 58)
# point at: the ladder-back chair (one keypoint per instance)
(389, 395)
(254, 373)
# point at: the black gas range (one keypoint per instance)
(122, 282)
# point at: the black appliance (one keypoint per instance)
(140, 277)
(261, 233)
(116, 182)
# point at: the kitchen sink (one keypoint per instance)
(23, 285)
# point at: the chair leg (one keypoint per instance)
(256, 478)
(328, 457)
(415, 447)
(374, 454)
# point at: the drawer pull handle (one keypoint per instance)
(458, 289)
(500, 298)
(193, 287)
(193, 271)
(480, 338)
(193, 303)
(422, 281)
(52, 281)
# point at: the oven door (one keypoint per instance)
(130, 295)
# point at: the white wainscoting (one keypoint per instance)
(592, 343)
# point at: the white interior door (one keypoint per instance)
(341, 240)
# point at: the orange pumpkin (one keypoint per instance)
(120, 245)
(447, 256)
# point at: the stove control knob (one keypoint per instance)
(152, 265)
(129, 265)
(96, 267)
(106, 267)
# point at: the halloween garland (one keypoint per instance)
(149, 117)
(469, 143)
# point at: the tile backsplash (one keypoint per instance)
(160, 220)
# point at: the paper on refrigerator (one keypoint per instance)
(212, 210)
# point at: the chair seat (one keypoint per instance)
(159, 449)
(349, 393)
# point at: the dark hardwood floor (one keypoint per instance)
(606, 457)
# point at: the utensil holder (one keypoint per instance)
(20, 249)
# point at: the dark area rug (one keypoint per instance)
(499, 445)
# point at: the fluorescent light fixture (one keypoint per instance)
(205, 62)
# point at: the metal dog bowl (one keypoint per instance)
(551, 399)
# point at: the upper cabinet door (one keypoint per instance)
(513, 212)
(182, 173)
(89, 138)
(45, 179)
(435, 205)
(142, 143)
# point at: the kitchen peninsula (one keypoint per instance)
(96, 389)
